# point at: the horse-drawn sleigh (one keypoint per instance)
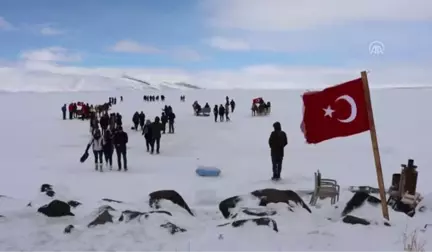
(259, 107)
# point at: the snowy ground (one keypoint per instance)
(38, 147)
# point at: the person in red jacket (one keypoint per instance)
(70, 109)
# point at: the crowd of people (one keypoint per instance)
(107, 134)
(220, 112)
(152, 98)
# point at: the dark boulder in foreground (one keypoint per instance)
(68, 229)
(101, 219)
(56, 208)
(48, 190)
(264, 221)
(265, 197)
(172, 228)
(349, 219)
(226, 205)
(359, 198)
(73, 203)
(46, 187)
(129, 215)
(170, 195)
(271, 195)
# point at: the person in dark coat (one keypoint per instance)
(120, 141)
(171, 118)
(108, 147)
(141, 120)
(104, 122)
(164, 120)
(232, 103)
(215, 112)
(277, 142)
(118, 120)
(221, 113)
(156, 135)
(227, 108)
(135, 120)
(64, 111)
(147, 133)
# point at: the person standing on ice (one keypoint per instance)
(147, 133)
(164, 120)
(227, 108)
(156, 135)
(108, 147)
(64, 111)
(232, 103)
(135, 120)
(120, 141)
(221, 113)
(277, 142)
(215, 112)
(171, 118)
(96, 144)
(141, 120)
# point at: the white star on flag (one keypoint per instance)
(328, 111)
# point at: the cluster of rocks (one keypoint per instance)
(229, 208)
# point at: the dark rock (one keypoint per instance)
(259, 212)
(129, 215)
(349, 219)
(265, 196)
(104, 217)
(50, 193)
(172, 228)
(29, 204)
(271, 195)
(264, 221)
(170, 195)
(73, 203)
(226, 205)
(111, 200)
(1, 216)
(56, 208)
(46, 187)
(373, 200)
(48, 190)
(105, 208)
(68, 229)
(358, 200)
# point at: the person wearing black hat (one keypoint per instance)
(277, 142)
(120, 141)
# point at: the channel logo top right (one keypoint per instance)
(376, 48)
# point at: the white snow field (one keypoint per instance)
(39, 147)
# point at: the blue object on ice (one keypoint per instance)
(206, 171)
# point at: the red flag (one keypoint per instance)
(337, 111)
(257, 100)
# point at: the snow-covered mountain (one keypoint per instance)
(25, 80)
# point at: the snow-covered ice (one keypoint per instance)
(38, 147)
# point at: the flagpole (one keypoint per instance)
(375, 147)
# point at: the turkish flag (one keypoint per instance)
(337, 111)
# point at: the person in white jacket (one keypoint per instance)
(97, 145)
